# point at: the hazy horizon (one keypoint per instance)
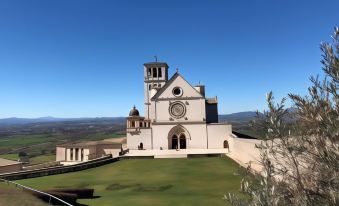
(57, 117)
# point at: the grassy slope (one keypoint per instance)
(11, 196)
(195, 181)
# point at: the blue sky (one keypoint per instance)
(84, 58)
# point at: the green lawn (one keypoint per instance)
(193, 181)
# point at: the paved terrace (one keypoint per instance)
(174, 153)
(5, 162)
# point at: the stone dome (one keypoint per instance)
(134, 112)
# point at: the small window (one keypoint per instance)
(177, 91)
(226, 144)
(154, 72)
(159, 85)
(154, 85)
(159, 72)
(149, 87)
(149, 72)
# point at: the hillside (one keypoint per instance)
(234, 117)
(38, 137)
(237, 117)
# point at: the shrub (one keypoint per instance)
(80, 192)
(22, 154)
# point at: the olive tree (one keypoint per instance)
(300, 160)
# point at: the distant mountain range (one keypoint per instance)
(18, 121)
(235, 117)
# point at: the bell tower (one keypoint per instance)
(155, 77)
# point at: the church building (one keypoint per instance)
(177, 115)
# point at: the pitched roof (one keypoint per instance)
(156, 64)
(112, 141)
(168, 83)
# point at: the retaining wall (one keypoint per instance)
(59, 169)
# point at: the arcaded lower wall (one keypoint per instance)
(196, 137)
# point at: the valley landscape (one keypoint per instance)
(38, 137)
(153, 103)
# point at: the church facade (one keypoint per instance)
(177, 115)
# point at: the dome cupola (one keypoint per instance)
(134, 112)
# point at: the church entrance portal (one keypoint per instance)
(175, 142)
(182, 141)
(178, 138)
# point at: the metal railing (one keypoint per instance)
(37, 191)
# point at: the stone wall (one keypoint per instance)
(10, 168)
(58, 169)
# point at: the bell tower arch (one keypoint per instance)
(155, 77)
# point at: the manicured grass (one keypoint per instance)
(12, 196)
(194, 181)
(14, 157)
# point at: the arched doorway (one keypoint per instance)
(178, 138)
(141, 146)
(174, 142)
(182, 141)
(226, 146)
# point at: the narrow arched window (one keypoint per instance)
(159, 72)
(226, 144)
(154, 72)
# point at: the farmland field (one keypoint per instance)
(38, 140)
(193, 181)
